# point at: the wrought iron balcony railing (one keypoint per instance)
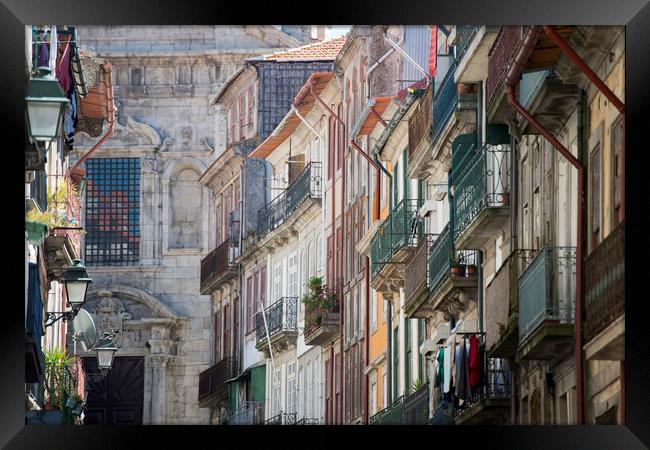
(218, 263)
(317, 317)
(391, 415)
(251, 413)
(483, 182)
(398, 230)
(420, 122)
(441, 258)
(213, 379)
(415, 275)
(547, 289)
(280, 316)
(307, 185)
(308, 421)
(502, 51)
(497, 384)
(605, 283)
(444, 103)
(416, 407)
(282, 419)
(464, 36)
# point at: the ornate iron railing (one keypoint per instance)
(280, 316)
(547, 289)
(391, 415)
(605, 283)
(441, 258)
(464, 36)
(398, 230)
(497, 384)
(415, 275)
(252, 413)
(444, 103)
(530, 85)
(307, 184)
(212, 379)
(416, 407)
(308, 421)
(317, 317)
(499, 56)
(420, 121)
(218, 261)
(282, 419)
(483, 182)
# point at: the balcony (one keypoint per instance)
(392, 415)
(500, 55)
(308, 421)
(547, 304)
(213, 389)
(282, 419)
(420, 126)
(282, 323)
(392, 245)
(321, 325)
(295, 207)
(547, 98)
(481, 195)
(489, 403)
(416, 407)
(251, 413)
(416, 287)
(605, 298)
(473, 44)
(218, 266)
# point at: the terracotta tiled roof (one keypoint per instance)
(327, 50)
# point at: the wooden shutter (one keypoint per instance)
(226, 331)
(296, 166)
(262, 297)
(331, 146)
(250, 304)
(217, 337)
(618, 142)
(595, 169)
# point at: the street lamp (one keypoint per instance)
(45, 103)
(76, 281)
(106, 349)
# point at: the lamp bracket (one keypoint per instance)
(52, 317)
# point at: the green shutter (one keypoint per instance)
(258, 384)
(407, 359)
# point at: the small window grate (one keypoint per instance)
(112, 211)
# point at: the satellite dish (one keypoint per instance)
(84, 327)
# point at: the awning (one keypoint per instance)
(368, 119)
(304, 102)
(246, 373)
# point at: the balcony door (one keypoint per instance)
(118, 398)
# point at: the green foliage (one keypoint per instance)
(318, 300)
(417, 384)
(34, 215)
(57, 381)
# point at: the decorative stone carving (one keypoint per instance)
(150, 165)
(167, 144)
(92, 126)
(109, 313)
(141, 129)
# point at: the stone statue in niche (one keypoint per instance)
(184, 210)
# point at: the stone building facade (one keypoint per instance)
(163, 80)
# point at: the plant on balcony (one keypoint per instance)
(36, 224)
(318, 301)
(417, 384)
(60, 388)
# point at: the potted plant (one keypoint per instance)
(56, 363)
(36, 225)
(318, 301)
(471, 270)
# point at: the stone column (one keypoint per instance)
(158, 383)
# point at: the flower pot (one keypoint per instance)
(505, 198)
(471, 270)
(36, 232)
(464, 88)
(456, 271)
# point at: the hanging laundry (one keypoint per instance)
(63, 70)
(463, 389)
(474, 362)
(43, 55)
(447, 369)
(440, 366)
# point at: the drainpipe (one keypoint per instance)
(600, 84)
(107, 68)
(341, 307)
(512, 78)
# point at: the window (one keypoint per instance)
(291, 388)
(330, 261)
(250, 304)
(217, 337)
(595, 189)
(618, 145)
(218, 221)
(292, 276)
(373, 311)
(262, 296)
(275, 392)
(319, 258)
(277, 282)
(373, 395)
(251, 106)
(136, 77)
(384, 384)
(112, 211)
(226, 331)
